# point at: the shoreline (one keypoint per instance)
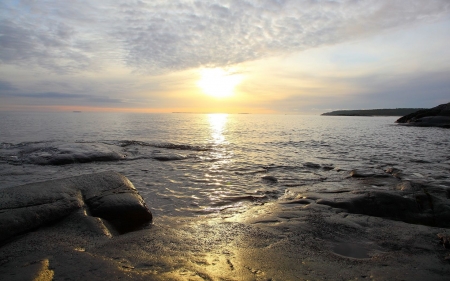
(319, 234)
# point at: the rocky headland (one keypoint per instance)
(438, 116)
(373, 112)
(377, 225)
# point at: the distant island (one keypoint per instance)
(373, 112)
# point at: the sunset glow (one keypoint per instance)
(295, 57)
(218, 83)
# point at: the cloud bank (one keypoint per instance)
(161, 36)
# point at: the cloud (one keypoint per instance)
(419, 89)
(159, 36)
(371, 91)
(6, 87)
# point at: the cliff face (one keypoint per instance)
(438, 116)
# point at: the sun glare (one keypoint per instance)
(218, 83)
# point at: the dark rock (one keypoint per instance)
(311, 165)
(327, 167)
(168, 157)
(270, 179)
(359, 174)
(438, 116)
(299, 201)
(27, 207)
(419, 207)
(394, 172)
(125, 211)
(365, 174)
(444, 240)
(405, 186)
(107, 195)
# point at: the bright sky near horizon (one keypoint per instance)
(256, 56)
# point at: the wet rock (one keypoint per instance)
(405, 186)
(63, 154)
(426, 207)
(444, 240)
(27, 207)
(394, 172)
(107, 195)
(270, 179)
(438, 116)
(168, 157)
(365, 174)
(311, 165)
(327, 167)
(298, 201)
(359, 174)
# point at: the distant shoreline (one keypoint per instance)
(373, 112)
(182, 112)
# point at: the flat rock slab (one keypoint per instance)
(377, 196)
(109, 196)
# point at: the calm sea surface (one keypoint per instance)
(194, 164)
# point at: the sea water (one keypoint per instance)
(197, 164)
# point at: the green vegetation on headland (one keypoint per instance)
(373, 112)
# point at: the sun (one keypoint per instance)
(218, 83)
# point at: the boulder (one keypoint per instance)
(438, 116)
(109, 196)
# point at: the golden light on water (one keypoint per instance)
(218, 83)
(217, 124)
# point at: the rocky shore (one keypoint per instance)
(438, 116)
(368, 225)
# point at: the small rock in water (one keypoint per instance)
(394, 172)
(270, 178)
(328, 167)
(311, 165)
(358, 174)
(169, 157)
(366, 174)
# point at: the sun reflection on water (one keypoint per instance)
(221, 155)
(217, 124)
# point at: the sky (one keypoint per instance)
(253, 56)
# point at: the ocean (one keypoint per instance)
(207, 164)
